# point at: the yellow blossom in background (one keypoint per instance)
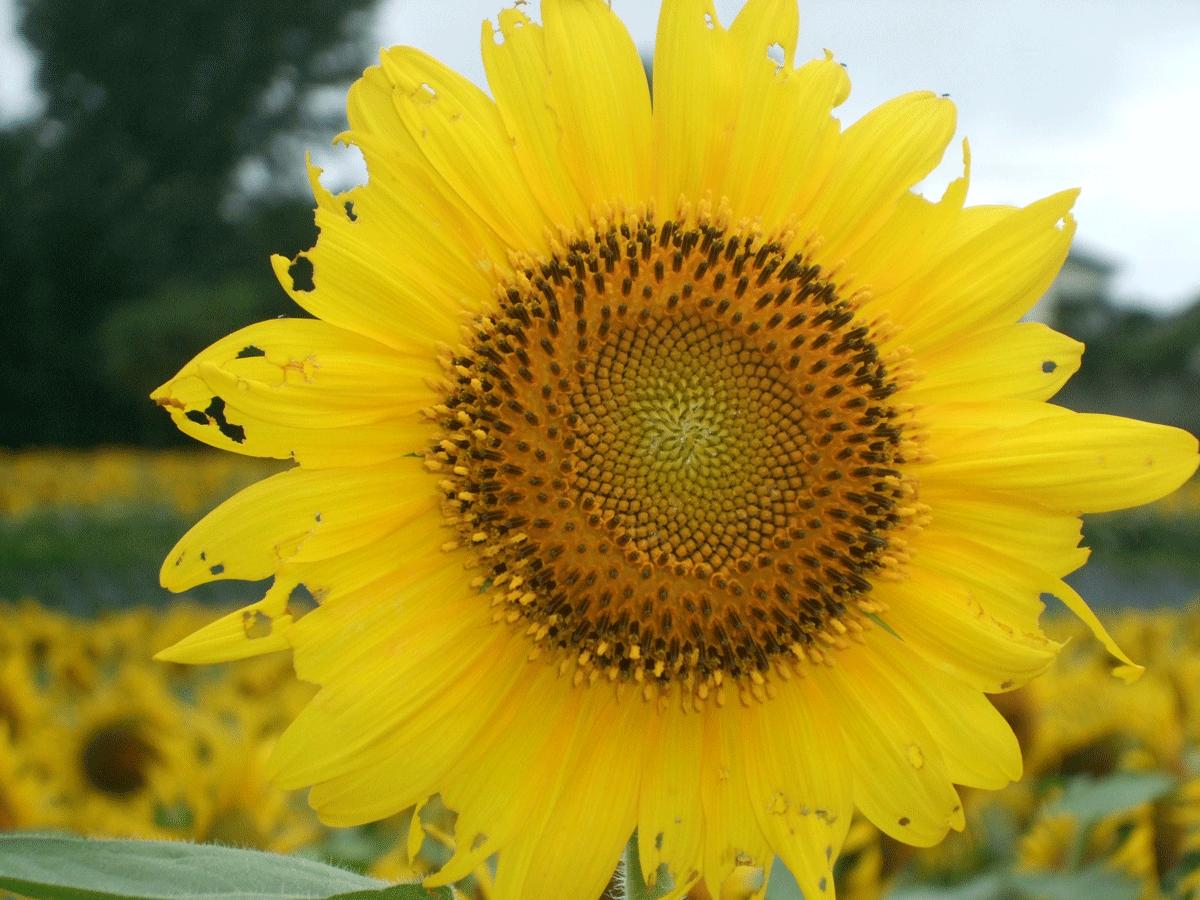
(185, 480)
(98, 740)
(1124, 843)
(1088, 723)
(669, 467)
(27, 801)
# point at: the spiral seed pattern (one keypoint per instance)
(672, 452)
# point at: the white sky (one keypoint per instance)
(1102, 94)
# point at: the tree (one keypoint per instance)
(131, 181)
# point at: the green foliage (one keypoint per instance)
(1091, 799)
(1142, 542)
(87, 561)
(72, 868)
(1093, 881)
(143, 343)
(1137, 363)
(133, 180)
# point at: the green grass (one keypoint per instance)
(90, 559)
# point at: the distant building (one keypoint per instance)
(1081, 292)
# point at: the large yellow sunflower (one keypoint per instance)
(663, 466)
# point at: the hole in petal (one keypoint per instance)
(256, 625)
(301, 602)
(301, 273)
(216, 412)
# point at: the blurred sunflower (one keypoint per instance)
(1087, 723)
(26, 801)
(22, 706)
(239, 807)
(665, 466)
(120, 757)
(1123, 842)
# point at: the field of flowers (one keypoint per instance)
(98, 739)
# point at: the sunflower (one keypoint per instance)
(26, 800)
(664, 466)
(120, 758)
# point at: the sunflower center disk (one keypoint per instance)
(672, 452)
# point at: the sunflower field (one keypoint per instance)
(98, 739)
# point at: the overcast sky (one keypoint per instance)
(1101, 94)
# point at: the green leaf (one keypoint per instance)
(1092, 799)
(782, 885)
(883, 623)
(1093, 881)
(73, 868)
(989, 886)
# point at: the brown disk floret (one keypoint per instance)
(672, 450)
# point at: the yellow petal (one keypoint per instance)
(404, 764)
(425, 665)
(405, 194)
(1027, 360)
(251, 535)
(599, 800)
(459, 130)
(1008, 587)
(1128, 671)
(732, 836)
(1008, 523)
(942, 620)
(786, 141)
(1077, 462)
(519, 76)
(416, 833)
(354, 279)
(599, 92)
(253, 630)
(276, 386)
(763, 24)
(670, 815)
(272, 388)
(976, 742)
(530, 730)
(949, 425)
(992, 279)
(881, 156)
(914, 236)
(697, 82)
(900, 779)
(800, 790)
